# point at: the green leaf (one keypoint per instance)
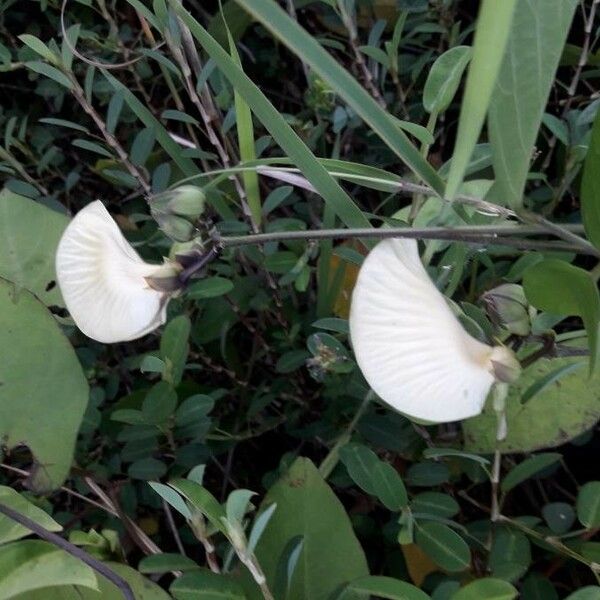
(537, 36)
(25, 259)
(204, 585)
(563, 289)
(590, 187)
(113, 113)
(374, 476)
(289, 33)
(174, 348)
(559, 516)
(193, 409)
(51, 72)
(444, 78)
(259, 525)
(537, 587)
(92, 147)
(589, 592)
(143, 589)
(201, 499)
(11, 530)
(491, 36)
(561, 411)
(32, 564)
(152, 364)
(159, 404)
(588, 504)
(168, 494)
(237, 505)
(383, 587)
(528, 468)
(488, 589)
(177, 115)
(245, 132)
(283, 134)
(37, 363)
(307, 508)
(444, 546)
(435, 503)
(427, 474)
(292, 360)
(147, 468)
(39, 47)
(171, 147)
(510, 556)
(156, 564)
(211, 287)
(281, 262)
(142, 146)
(64, 123)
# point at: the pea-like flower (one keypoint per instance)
(111, 293)
(409, 345)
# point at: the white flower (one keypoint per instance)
(409, 345)
(105, 283)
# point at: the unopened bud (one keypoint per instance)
(187, 201)
(505, 366)
(177, 228)
(507, 307)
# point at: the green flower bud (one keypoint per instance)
(507, 307)
(187, 201)
(177, 228)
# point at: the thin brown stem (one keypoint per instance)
(350, 25)
(173, 527)
(109, 509)
(110, 139)
(207, 116)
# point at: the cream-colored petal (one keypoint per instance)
(409, 345)
(102, 279)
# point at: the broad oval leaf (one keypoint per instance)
(444, 546)
(174, 348)
(444, 78)
(330, 555)
(143, 589)
(29, 236)
(510, 555)
(560, 288)
(204, 585)
(32, 564)
(383, 587)
(588, 504)
(374, 476)
(560, 411)
(41, 375)
(488, 588)
(528, 468)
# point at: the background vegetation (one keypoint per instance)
(241, 441)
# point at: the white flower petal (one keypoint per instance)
(409, 345)
(102, 279)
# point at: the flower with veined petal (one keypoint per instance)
(412, 350)
(111, 293)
